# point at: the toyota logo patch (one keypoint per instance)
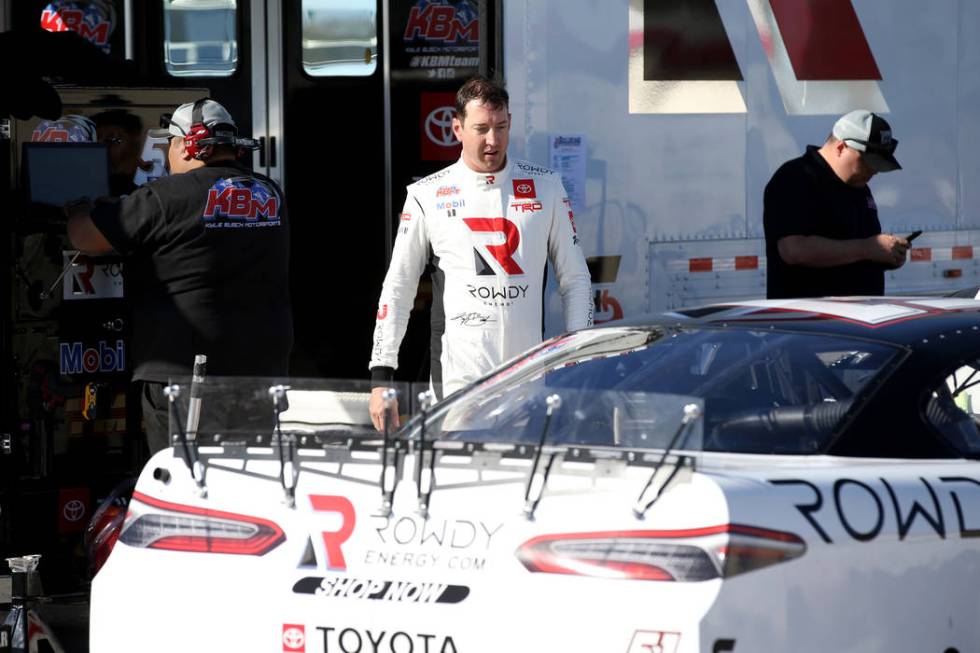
(524, 188)
(293, 637)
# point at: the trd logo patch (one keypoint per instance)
(242, 201)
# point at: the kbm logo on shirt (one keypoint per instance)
(75, 359)
(242, 202)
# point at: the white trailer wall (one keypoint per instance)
(664, 188)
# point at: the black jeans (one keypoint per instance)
(156, 416)
(246, 412)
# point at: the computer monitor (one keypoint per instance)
(56, 173)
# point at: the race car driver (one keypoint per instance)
(207, 259)
(488, 225)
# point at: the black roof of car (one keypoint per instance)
(916, 322)
(939, 334)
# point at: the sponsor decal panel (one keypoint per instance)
(532, 168)
(438, 142)
(293, 638)
(356, 640)
(440, 39)
(498, 295)
(90, 278)
(410, 541)
(76, 358)
(526, 207)
(503, 252)
(606, 307)
(72, 510)
(654, 641)
(453, 544)
(859, 509)
(524, 189)
(571, 219)
(381, 590)
(603, 270)
(334, 539)
(404, 220)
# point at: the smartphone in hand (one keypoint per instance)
(912, 236)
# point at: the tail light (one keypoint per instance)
(686, 555)
(176, 527)
(106, 534)
(103, 528)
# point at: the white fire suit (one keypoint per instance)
(488, 235)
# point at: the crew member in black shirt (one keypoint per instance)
(207, 256)
(823, 237)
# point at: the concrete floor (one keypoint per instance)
(65, 616)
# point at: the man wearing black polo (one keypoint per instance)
(207, 259)
(823, 237)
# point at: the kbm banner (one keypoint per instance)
(436, 39)
(93, 20)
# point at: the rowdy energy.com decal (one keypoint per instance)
(453, 544)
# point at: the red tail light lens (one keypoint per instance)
(106, 534)
(176, 527)
(686, 555)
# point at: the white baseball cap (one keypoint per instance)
(871, 135)
(179, 123)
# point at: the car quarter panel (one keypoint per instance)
(891, 562)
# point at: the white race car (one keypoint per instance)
(762, 476)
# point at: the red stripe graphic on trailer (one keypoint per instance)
(699, 265)
(921, 254)
(824, 40)
(962, 251)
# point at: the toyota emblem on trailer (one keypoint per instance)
(439, 127)
(73, 510)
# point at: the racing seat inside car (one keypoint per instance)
(955, 424)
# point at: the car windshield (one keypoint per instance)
(760, 391)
